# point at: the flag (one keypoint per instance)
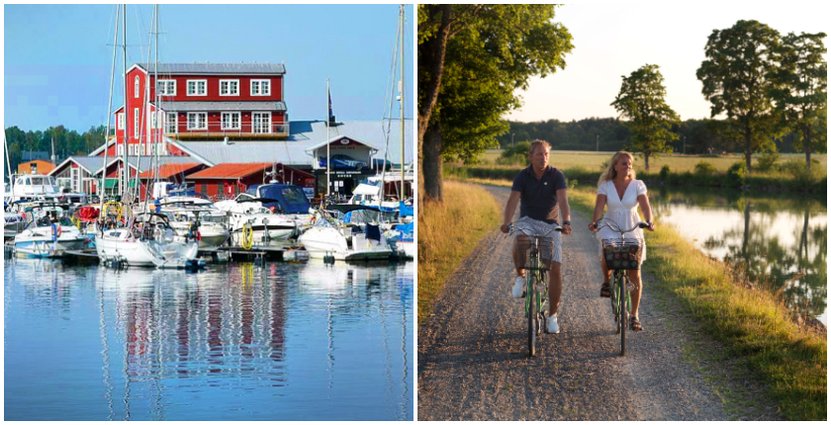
(331, 114)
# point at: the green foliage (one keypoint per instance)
(641, 101)
(492, 50)
(767, 161)
(801, 93)
(67, 142)
(737, 78)
(664, 174)
(737, 175)
(704, 168)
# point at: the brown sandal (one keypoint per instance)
(635, 324)
(605, 290)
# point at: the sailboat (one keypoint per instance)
(148, 239)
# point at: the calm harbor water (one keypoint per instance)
(779, 243)
(235, 342)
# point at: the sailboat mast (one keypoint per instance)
(328, 118)
(103, 188)
(401, 97)
(125, 167)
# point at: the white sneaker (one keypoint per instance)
(551, 325)
(518, 290)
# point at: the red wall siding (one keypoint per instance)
(213, 88)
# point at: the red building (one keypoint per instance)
(200, 102)
(226, 180)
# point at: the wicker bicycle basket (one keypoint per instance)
(622, 255)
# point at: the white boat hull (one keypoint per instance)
(38, 242)
(323, 242)
(114, 246)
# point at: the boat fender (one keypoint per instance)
(56, 231)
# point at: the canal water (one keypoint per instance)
(235, 342)
(778, 243)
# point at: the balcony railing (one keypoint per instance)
(274, 131)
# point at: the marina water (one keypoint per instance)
(236, 342)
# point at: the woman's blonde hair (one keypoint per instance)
(609, 173)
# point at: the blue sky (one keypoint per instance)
(57, 58)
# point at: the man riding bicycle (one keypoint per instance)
(539, 189)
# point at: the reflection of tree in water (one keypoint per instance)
(796, 274)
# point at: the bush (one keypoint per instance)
(737, 174)
(664, 174)
(704, 168)
(766, 161)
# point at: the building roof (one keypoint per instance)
(222, 106)
(304, 136)
(169, 170)
(216, 68)
(230, 170)
(94, 164)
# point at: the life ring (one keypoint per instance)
(247, 241)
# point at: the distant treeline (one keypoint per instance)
(67, 142)
(610, 134)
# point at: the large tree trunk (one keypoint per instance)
(646, 161)
(806, 144)
(748, 145)
(435, 51)
(431, 164)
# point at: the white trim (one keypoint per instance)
(119, 121)
(238, 125)
(197, 121)
(136, 85)
(135, 123)
(253, 122)
(174, 122)
(261, 86)
(230, 93)
(164, 85)
(196, 87)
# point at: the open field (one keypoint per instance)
(676, 162)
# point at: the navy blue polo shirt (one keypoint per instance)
(538, 198)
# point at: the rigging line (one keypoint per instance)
(103, 190)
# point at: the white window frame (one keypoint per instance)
(226, 85)
(172, 122)
(255, 128)
(196, 114)
(119, 120)
(197, 85)
(232, 118)
(135, 123)
(263, 87)
(75, 178)
(119, 150)
(167, 87)
(136, 87)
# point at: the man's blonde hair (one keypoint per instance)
(538, 142)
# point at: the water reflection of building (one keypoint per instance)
(176, 323)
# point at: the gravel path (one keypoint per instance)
(473, 363)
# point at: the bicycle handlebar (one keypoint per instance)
(614, 227)
(556, 228)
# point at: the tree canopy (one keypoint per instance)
(641, 102)
(738, 80)
(471, 60)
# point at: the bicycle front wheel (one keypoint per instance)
(532, 321)
(623, 318)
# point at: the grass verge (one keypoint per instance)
(751, 323)
(447, 233)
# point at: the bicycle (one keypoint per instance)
(622, 255)
(536, 287)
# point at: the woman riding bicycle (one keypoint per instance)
(618, 190)
(541, 189)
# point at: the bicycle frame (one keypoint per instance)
(621, 298)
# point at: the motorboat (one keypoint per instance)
(49, 234)
(40, 187)
(192, 217)
(329, 238)
(148, 240)
(253, 224)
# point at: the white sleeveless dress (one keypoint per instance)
(622, 211)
